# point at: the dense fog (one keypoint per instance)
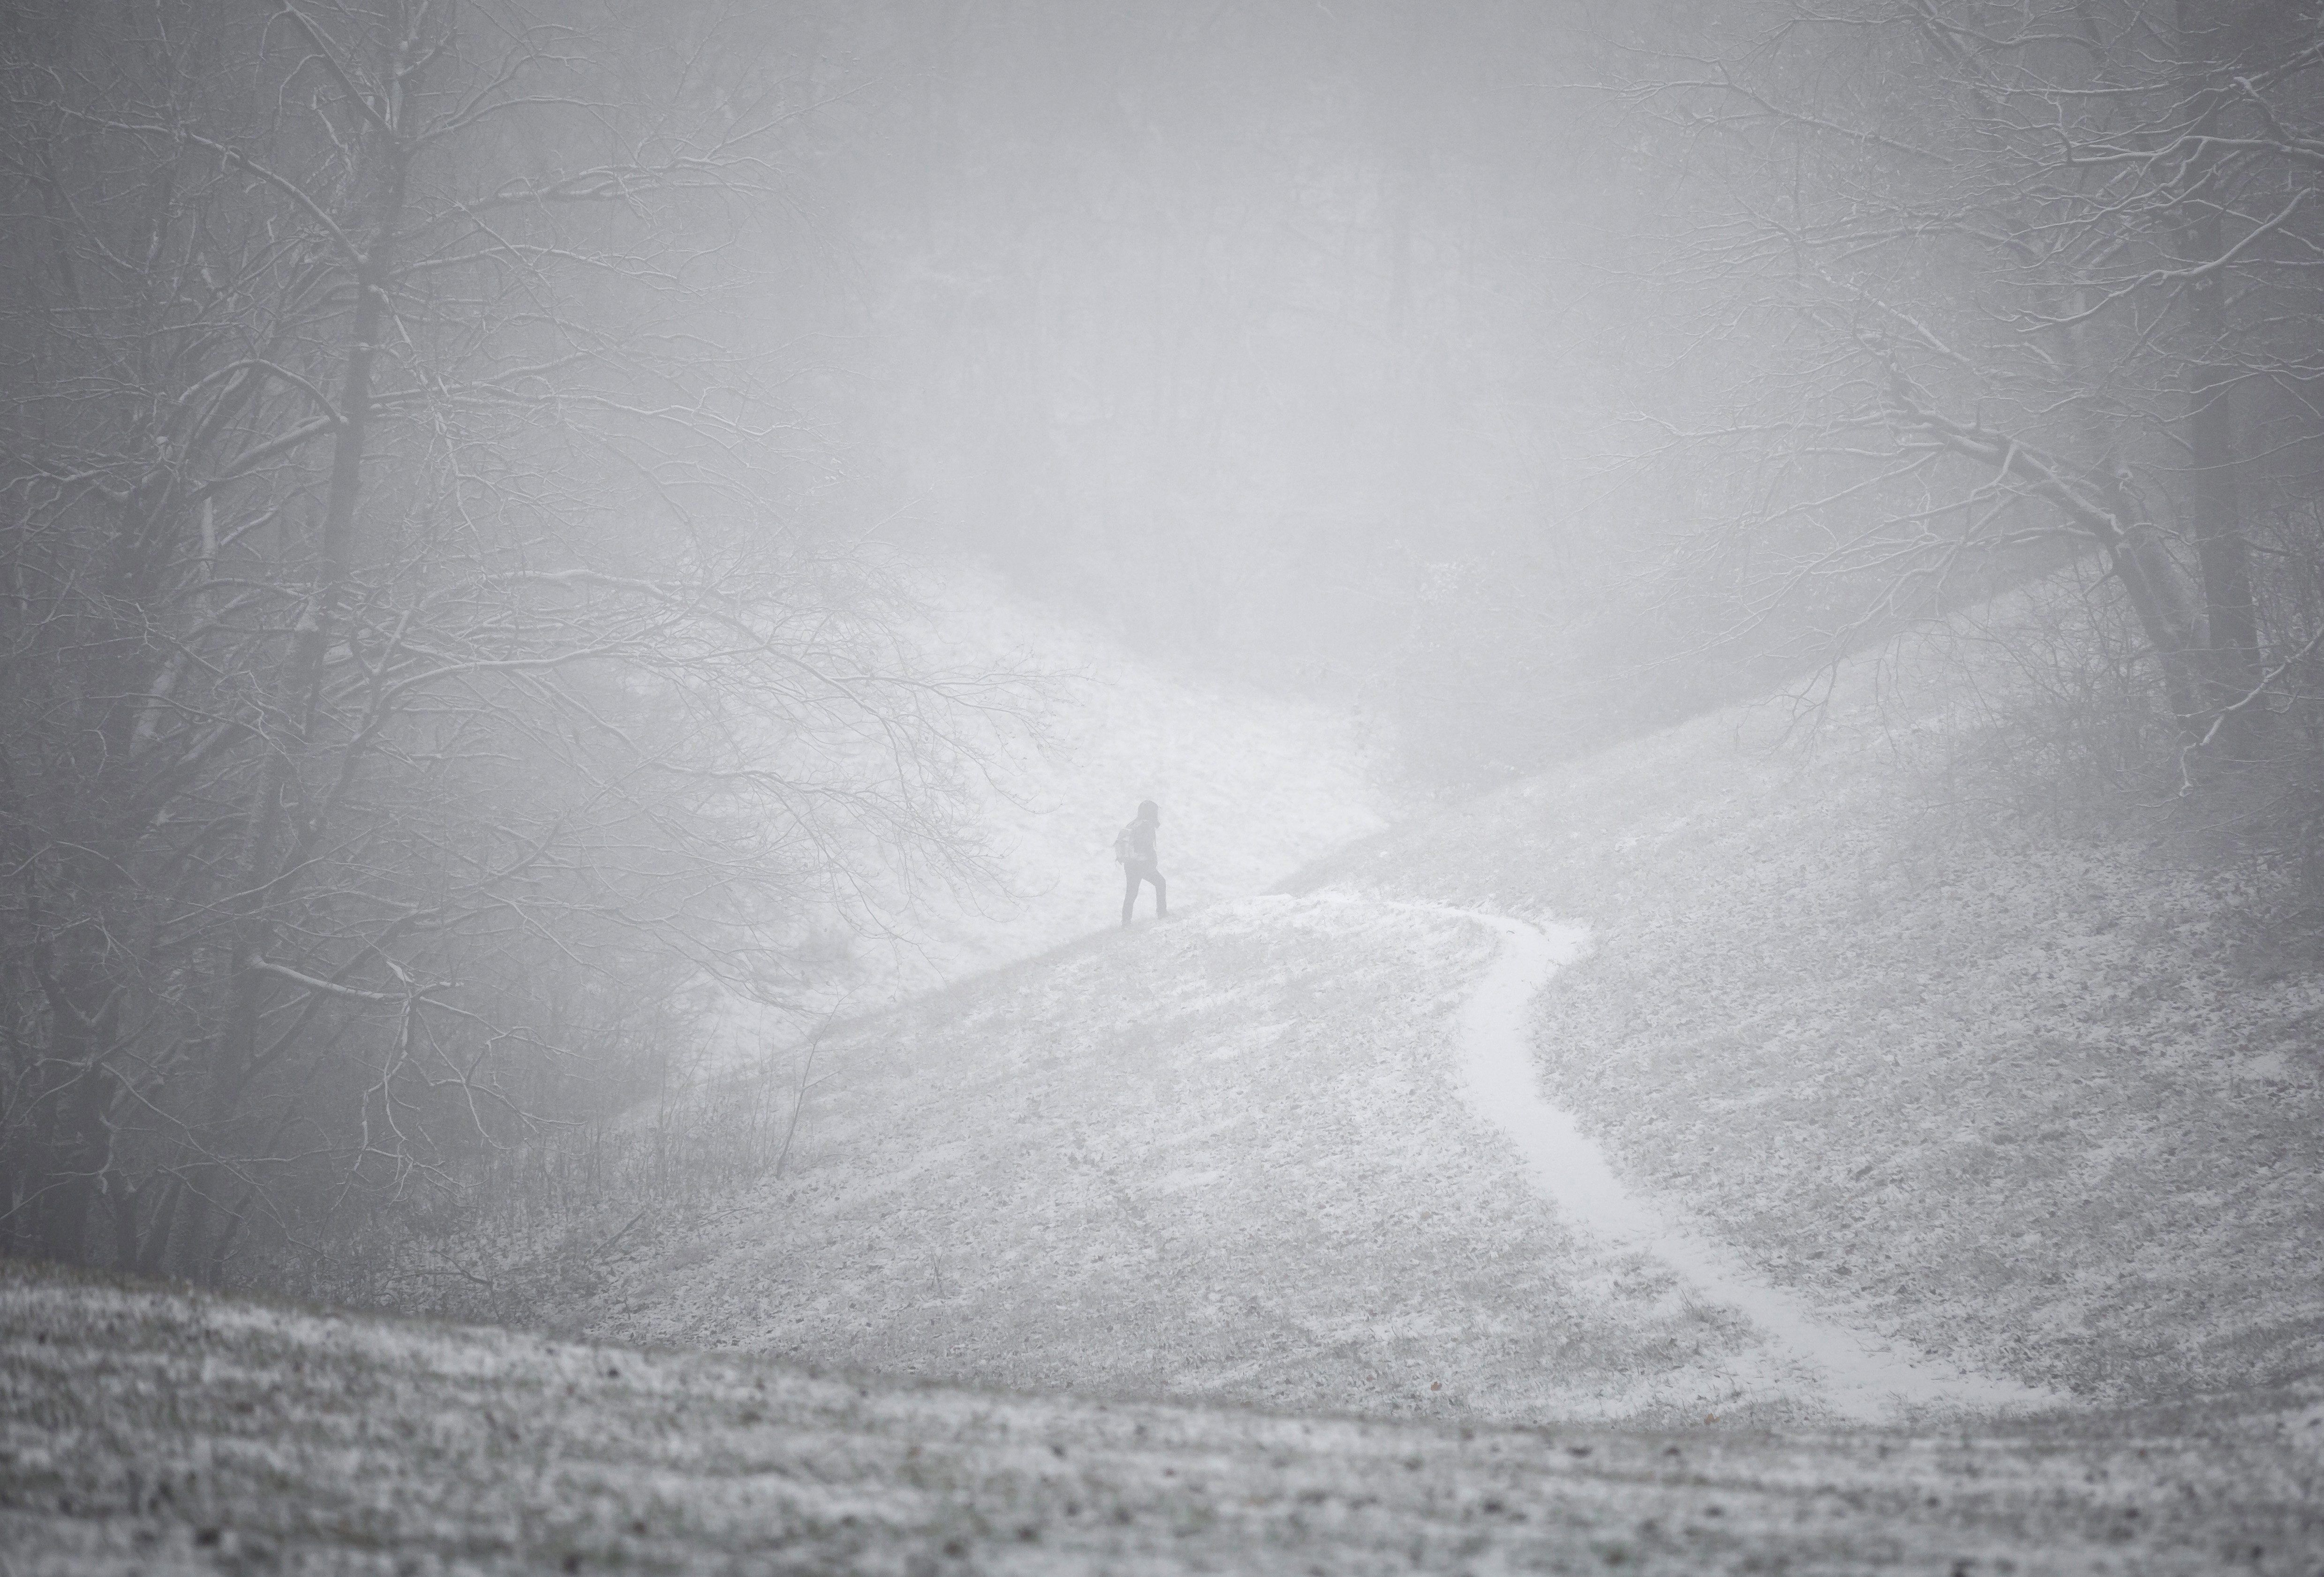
(486, 489)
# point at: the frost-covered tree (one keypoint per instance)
(409, 676)
(1987, 286)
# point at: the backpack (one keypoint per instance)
(1134, 844)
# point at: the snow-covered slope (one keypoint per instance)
(143, 1429)
(2029, 1101)
(2004, 1110)
(1226, 1158)
(1267, 1155)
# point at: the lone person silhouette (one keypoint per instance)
(1134, 847)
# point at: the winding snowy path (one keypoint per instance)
(1859, 1376)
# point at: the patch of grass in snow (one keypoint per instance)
(2018, 1098)
(146, 1428)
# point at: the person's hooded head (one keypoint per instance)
(1148, 811)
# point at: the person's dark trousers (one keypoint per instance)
(1138, 870)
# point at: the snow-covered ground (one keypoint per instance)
(1855, 1376)
(2000, 1113)
(1844, 1110)
(2008, 1098)
(146, 1430)
(1283, 1152)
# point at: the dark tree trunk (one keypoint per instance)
(2223, 556)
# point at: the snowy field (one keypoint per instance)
(1700, 1125)
(1227, 1158)
(1895, 1125)
(149, 1430)
(2032, 1105)
(1247, 1157)
(2006, 1116)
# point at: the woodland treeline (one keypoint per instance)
(1999, 286)
(414, 677)
(462, 464)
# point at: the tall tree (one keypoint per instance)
(2019, 268)
(407, 678)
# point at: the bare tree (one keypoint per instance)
(410, 681)
(1999, 284)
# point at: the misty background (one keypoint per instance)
(482, 484)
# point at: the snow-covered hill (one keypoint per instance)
(1226, 1158)
(2034, 1102)
(2006, 1110)
(1810, 1107)
(1251, 1156)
